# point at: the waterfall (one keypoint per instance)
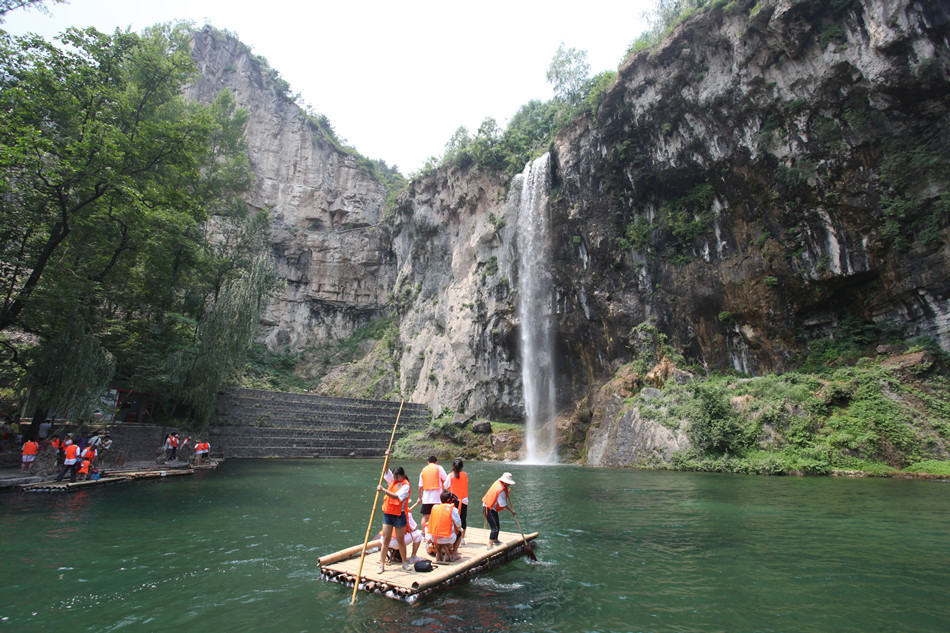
(535, 309)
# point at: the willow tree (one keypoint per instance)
(121, 199)
(222, 339)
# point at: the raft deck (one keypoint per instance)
(412, 586)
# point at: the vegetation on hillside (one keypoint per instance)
(847, 408)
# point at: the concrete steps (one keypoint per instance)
(255, 423)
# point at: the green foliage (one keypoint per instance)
(568, 75)
(854, 339)
(123, 207)
(725, 317)
(637, 235)
(931, 466)
(223, 337)
(688, 217)
(71, 370)
(911, 212)
(596, 90)
(664, 17)
(863, 418)
(6, 6)
(272, 370)
(713, 428)
(831, 33)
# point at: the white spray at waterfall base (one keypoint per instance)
(536, 312)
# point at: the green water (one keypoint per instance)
(235, 550)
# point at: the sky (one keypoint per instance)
(396, 79)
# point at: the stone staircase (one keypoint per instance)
(255, 423)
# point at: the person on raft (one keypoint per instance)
(395, 510)
(431, 484)
(458, 485)
(445, 528)
(413, 537)
(495, 500)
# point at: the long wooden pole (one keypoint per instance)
(372, 515)
(528, 547)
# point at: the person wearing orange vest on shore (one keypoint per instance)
(59, 447)
(432, 481)
(88, 454)
(444, 528)
(395, 509)
(30, 449)
(175, 441)
(495, 500)
(70, 462)
(458, 486)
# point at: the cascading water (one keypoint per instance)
(535, 308)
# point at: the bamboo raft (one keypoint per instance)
(66, 486)
(411, 587)
(114, 478)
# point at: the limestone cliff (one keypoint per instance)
(324, 207)
(772, 169)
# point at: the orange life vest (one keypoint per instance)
(84, 468)
(174, 441)
(431, 478)
(72, 451)
(490, 500)
(440, 521)
(30, 447)
(395, 506)
(89, 453)
(56, 443)
(459, 485)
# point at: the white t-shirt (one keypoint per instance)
(434, 496)
(403, 491)
(448, 540)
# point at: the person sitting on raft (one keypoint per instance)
(495, 500)
(395, 509)
(412, 537)
(444, 528)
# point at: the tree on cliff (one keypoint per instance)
(6, 6)
(121, 204)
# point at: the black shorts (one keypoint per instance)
(427, 508)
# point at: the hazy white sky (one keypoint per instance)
(395, 78)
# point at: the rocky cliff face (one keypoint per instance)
(772, 170)
(767, 168)
(324, 208)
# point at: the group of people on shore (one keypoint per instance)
(173, 443)
(444, 498)
(79, 458)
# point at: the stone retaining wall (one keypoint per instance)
(255, 423)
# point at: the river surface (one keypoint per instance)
(235, 550)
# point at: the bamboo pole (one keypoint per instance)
(372, 515)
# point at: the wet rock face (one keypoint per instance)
(453, 234)
(324, 208)
(756, 167)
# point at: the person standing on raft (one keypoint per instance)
(495, 500)
(431, 484)
(395, 510)
(458, 486)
